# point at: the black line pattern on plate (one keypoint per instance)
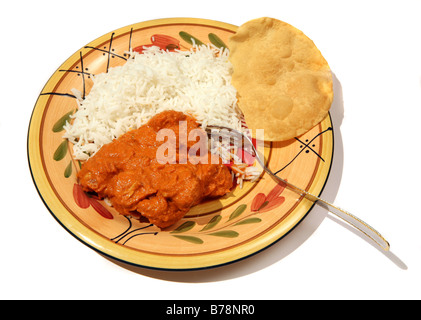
(130, 41)
(82, 72)
(110, 51)
(305, 146)
(127, 232)
(58, 94)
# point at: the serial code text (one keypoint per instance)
(211, 309)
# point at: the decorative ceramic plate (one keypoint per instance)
(214, 233)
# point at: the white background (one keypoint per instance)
(374, 50)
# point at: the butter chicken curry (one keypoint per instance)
(128, 173)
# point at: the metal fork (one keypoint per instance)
(357, 223)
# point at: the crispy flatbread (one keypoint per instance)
(284, 84)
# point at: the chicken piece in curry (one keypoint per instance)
(128, 173)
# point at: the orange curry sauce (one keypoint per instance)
(128, 173)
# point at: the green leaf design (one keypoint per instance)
(186, 226)
(191, 239)
(68, 171)
(248, 221)
(58, 126)
(225, 234)
(237, 212)
(212, 222)
(61, 151)
(215, 40)
(189, 38)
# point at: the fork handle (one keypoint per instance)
(354, 221)
(357, 223)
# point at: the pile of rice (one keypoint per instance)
(196, 82)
